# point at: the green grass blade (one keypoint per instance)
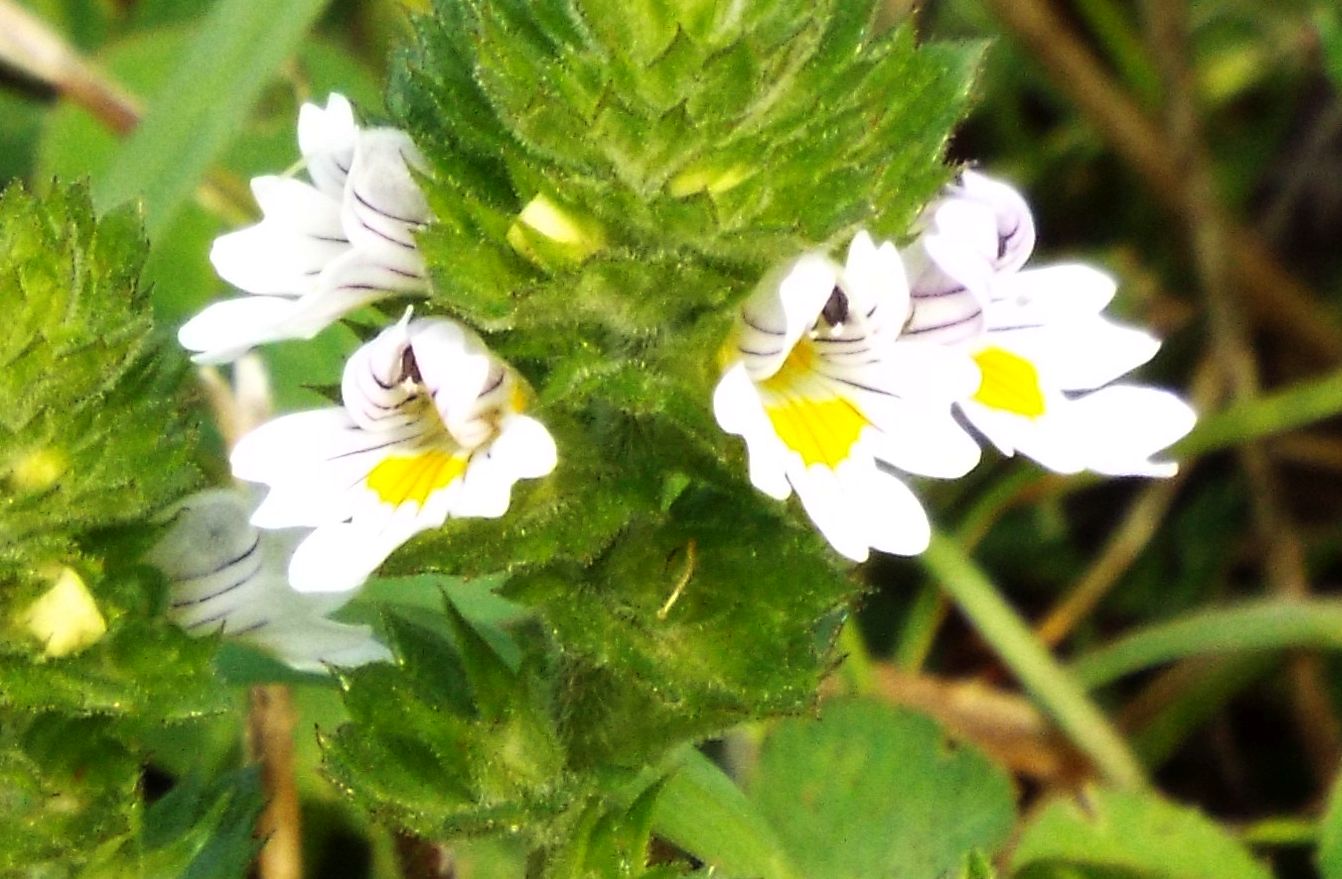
(702, 811)
(1055, 689)
(1271, 414)
(1267, 625)
(240, 45)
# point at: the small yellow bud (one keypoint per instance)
(708, 179)
(575, 237)
(65, 618)
(37, 471)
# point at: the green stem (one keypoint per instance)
(856, 666)
(702, 811)
(1280, 832)
(1266, 625)
(919, 630)
(918, 633)
(1267, 415)
(1053, 687)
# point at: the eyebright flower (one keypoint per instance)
(828, 396)
(228, 577)
(431, 427)
(323, 248)
(1047, 354)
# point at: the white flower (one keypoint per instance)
(322, 248)
(1047, 354)
(430, 427)
(825, 392)
(228, 577)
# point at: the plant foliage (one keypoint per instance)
(609, 180)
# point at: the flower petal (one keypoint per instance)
(326, 139)
(874, 279)
(781, 311)
(524, 449)
(226, 330)
(373, 384)
(919, 439)
(895, 521)
(383, 206)
(1066, 291)
(341, 556)
(312, 643)
(1123, 426)
(1014, 223)
(1049, 439)
(313, 461)
(737, 408)
(284, 253)
(469, 385)
(1079, 355)
(824, 497)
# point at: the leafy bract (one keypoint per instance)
(97, 434)
(471, 746)
(95, 429)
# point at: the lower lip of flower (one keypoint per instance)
(415, 477)
(1010, 383)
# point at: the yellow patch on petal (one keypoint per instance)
(1010, 383)
(823, 430)
(416, 478)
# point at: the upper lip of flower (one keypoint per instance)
(430, 426)
(322, 248)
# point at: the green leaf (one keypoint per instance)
(870, 791)
(644, 671)
(610, 843)
(1135, 833)
(144, 671)
(238, 47)
(863, 791)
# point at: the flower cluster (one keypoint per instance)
(838, 377)
(431, 423)
(843, 380)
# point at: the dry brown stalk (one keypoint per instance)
(1214, 246)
